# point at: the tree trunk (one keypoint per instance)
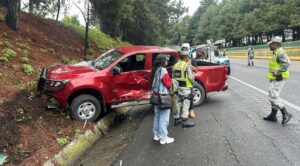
(86, 39)
(12, 16)
(58, 9)
(31, 6)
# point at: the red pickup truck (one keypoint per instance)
(118, 78)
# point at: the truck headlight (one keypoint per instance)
(56, 85)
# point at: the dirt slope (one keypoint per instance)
(29, 133)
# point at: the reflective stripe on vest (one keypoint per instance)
(274, 66)
(180, 73)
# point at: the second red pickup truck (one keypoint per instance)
(118, 78)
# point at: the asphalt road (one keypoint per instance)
(229, 128)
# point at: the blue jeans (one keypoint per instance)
(161, 122)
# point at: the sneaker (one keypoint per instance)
(168, 140)
(156, 138)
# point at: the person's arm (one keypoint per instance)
(166, 80)
(190, 73)
(282, 58)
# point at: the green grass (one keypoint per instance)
(9, 53)
(25, 60)
(28, 70)
(100, 39)
(2, 17)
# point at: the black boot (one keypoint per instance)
(272, 117)
(187, 124)
(286, 117)
(177, 121)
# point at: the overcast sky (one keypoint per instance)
(192, 5)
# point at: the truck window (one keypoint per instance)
(133, 63)
(170, 57)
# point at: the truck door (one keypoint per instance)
(134, 82)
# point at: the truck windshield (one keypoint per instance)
(106, 59)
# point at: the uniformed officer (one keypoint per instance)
(182, 72)
(278, 73)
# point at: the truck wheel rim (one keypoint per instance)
(86, 110)
(197, 95)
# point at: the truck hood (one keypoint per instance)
(69, 71)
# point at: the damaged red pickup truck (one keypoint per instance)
(118, 78)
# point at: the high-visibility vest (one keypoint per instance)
(180, 74)
(274, 66)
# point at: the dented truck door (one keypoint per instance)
(133, 82)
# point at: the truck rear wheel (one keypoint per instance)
(85, 107)
(199, 94)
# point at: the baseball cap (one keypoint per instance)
(276, 39)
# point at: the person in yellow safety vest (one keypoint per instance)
(182, 72)
(278, 73)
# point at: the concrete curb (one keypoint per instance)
(76, 148)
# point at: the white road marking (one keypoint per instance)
(266, 93)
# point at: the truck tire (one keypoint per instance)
(85, 107)
(229, 70)
(199, 94)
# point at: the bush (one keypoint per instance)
(24, 46)
(66, 60)
(3, 59)
(7, 44)
(9, 53)
(43, 50)
(52, 51)
(2, 18)
(27, 69)
(100, 39)
(25, 60)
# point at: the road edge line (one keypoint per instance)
(295, 107)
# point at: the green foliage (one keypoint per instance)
(2, 17)
(66, 60)
(101, 40)
(27, 68)
(3, 59)
(20, 110)
(52, 51)
(31, 96)
(237, 20)
(77, 132)
(9, 53)
(25, 60)
(43, 50)
(16, 67)
(63, 140)
(71, 20)
(7, 44)
(24, 46)
(1, 75)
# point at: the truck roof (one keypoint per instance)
(145, 49)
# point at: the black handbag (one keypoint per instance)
(162, 100)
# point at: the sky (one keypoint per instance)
(192, 5)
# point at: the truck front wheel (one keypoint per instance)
(85, 107)
(199, 94)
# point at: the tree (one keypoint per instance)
(12, 16)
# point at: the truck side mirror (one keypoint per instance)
(116, 70)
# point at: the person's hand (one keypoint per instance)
(275, 74)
